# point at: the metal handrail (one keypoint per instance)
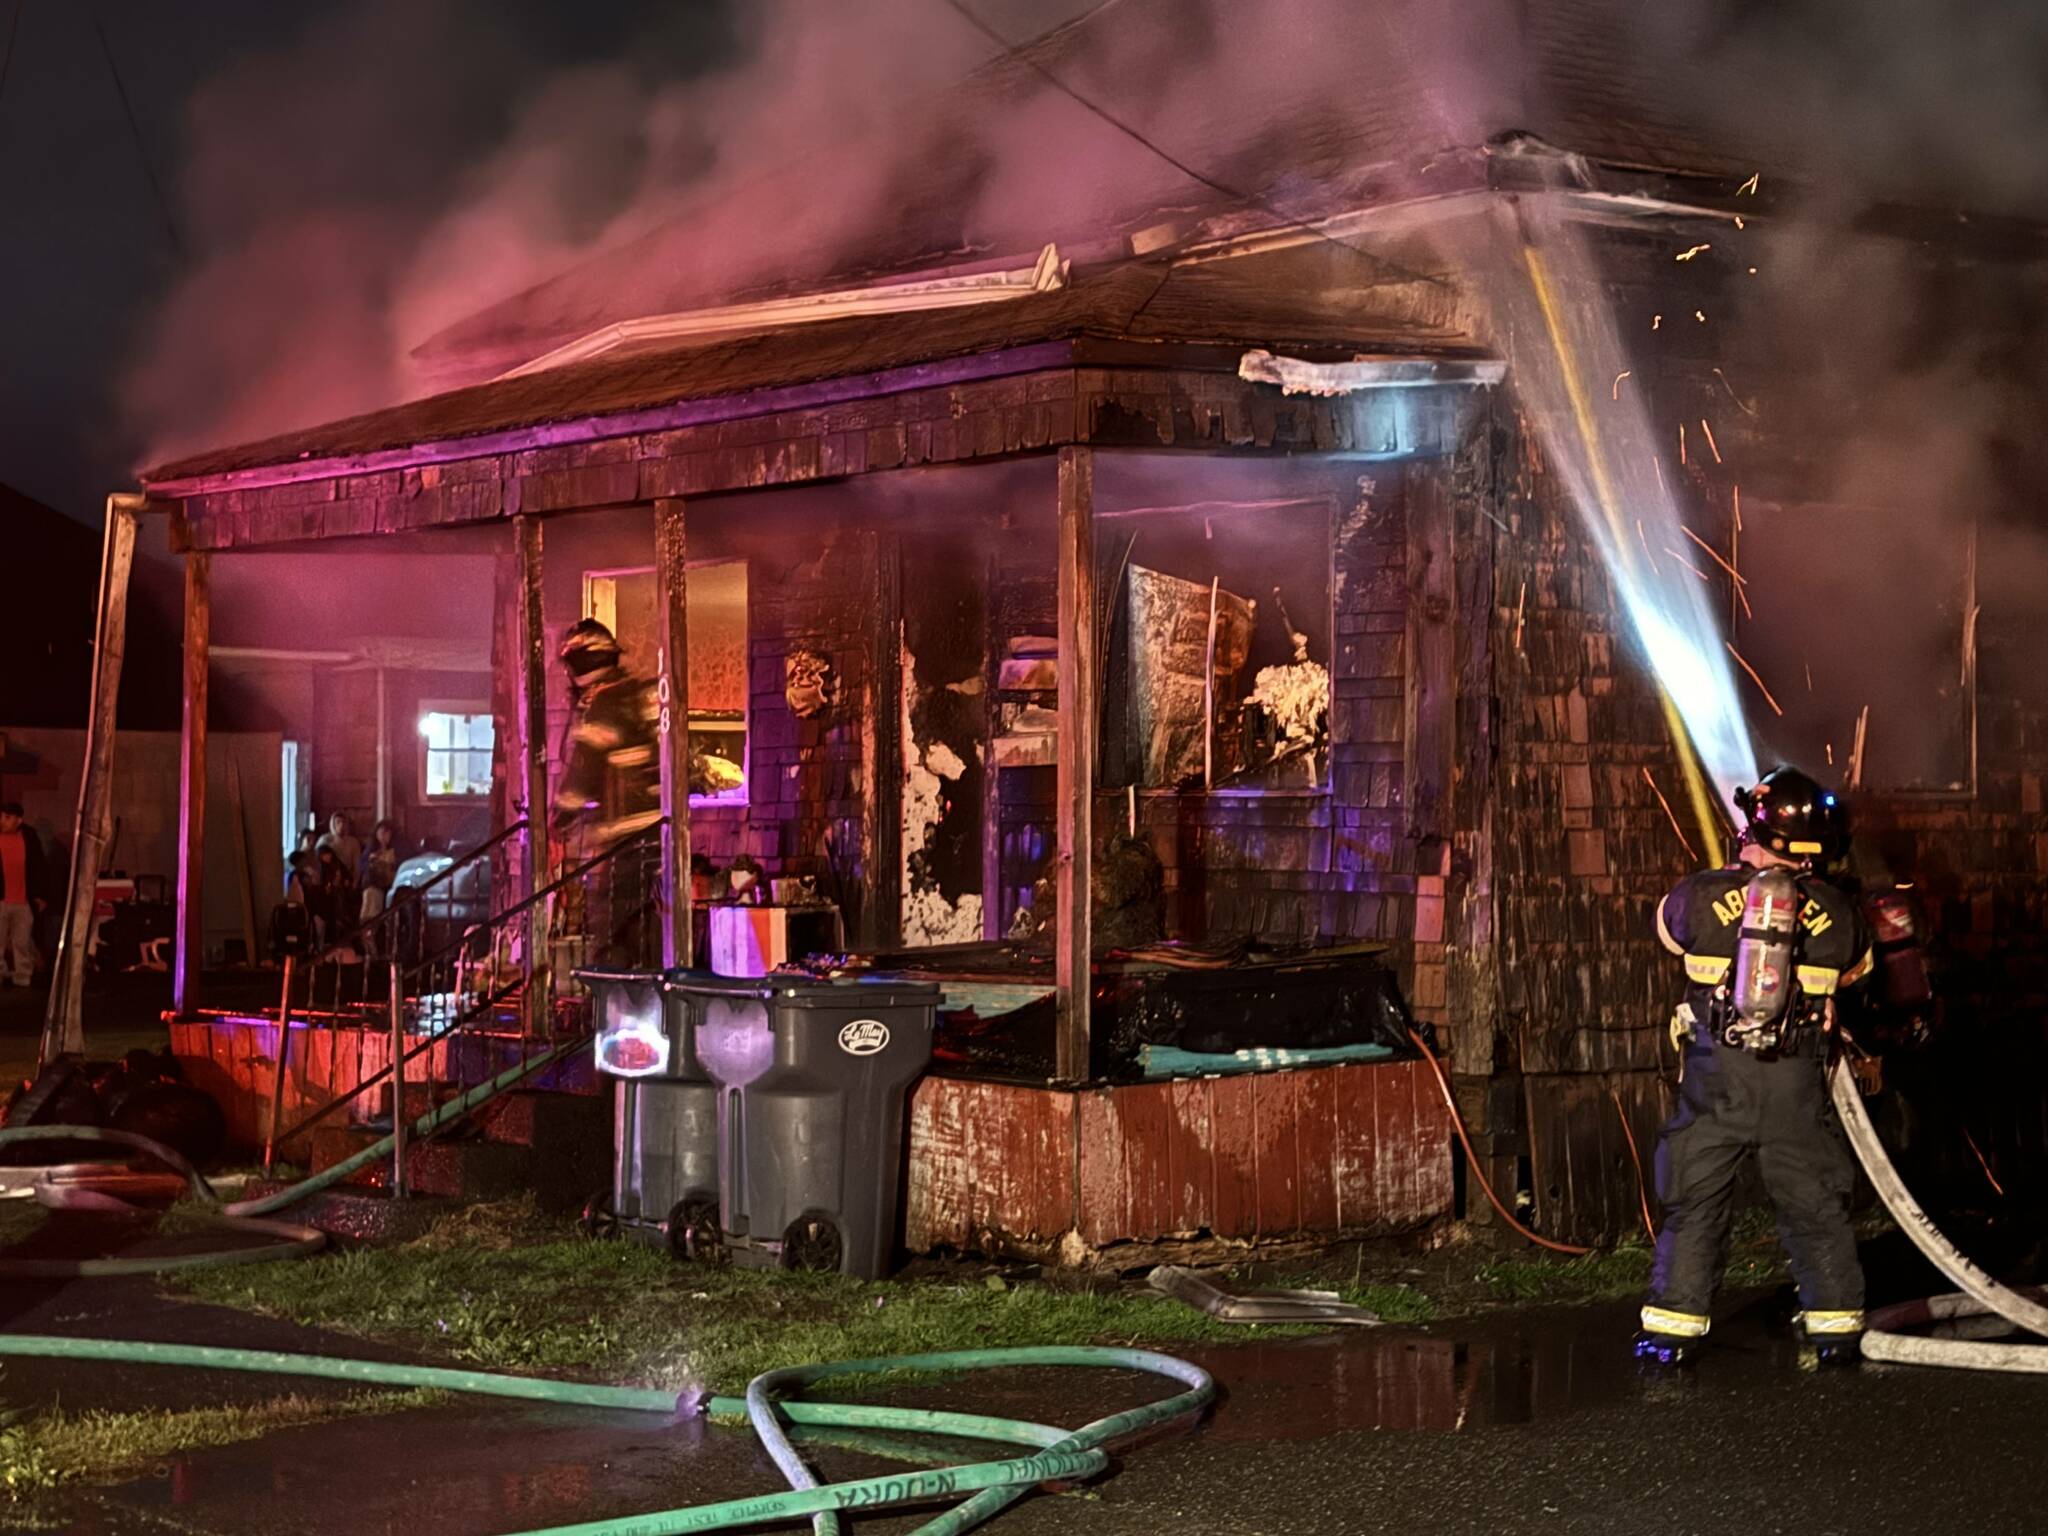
(488, 1005)
(417, 893)
(528, 903)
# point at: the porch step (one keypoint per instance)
(557, 1145)
(358, 1214)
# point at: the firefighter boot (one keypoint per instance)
(1666, 1349)
(1830, 1347)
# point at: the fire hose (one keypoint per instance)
(1980, 1297)
(71, 1189)
(1051, 1453)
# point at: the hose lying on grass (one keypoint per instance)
(1051, 1453)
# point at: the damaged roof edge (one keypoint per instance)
(659, 418)
(1360, 373)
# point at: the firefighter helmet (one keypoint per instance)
(1795, 817)
(589, 647)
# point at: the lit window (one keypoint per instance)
(716, 604)
(455, 753)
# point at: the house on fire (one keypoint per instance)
(1232, 533)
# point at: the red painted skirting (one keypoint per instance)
(232, 1059)
(1303, 1154)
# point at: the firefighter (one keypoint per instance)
(1767, 941)
(610, 790)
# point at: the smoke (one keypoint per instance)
(406, 164)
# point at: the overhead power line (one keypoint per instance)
(1288, 221)
(135, 132)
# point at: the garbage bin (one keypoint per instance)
(811, 1078)
(665, 1117)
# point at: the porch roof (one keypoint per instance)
(1321, 300)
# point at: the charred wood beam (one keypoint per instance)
(532, 702)
(1430, 703)
(63, 1023)
(1073, 941)
(188, 953)
(672, 684)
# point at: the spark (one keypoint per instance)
(1670, 815)
(1655, 321)
(1681, 444)
(1674, 554)
(1746, 409)
(1658, 465)
(1711, 554)
(1738, 509)
(1616, 392)
(1809, 673)
(1700, 315)
(1711, 444)
(1739, 225)
(1981, 1163)
(1643, 534)
(1521, 597)
(1752, 271)
(1748, 188)
(1688, 255)
(1831, 754)
(1856, 749)
(1760, 688)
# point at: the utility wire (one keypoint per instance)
(135, 132)
(1288, 221)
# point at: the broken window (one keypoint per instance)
(624, 601)
(455, 751)
(1218, 646)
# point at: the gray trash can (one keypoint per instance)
(665, 1117)
(811, 1080)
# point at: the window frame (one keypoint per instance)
(467, 709)
(589, 606)
(1327, 507)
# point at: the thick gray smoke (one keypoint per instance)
(409, 163)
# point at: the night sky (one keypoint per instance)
(88, 249)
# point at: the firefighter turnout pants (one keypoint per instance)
(1732, 1103)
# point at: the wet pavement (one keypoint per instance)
(1526, 1421)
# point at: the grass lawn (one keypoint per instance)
(502, 1290)
(44, 1451)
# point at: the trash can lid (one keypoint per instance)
(809, 991)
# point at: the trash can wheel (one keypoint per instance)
(813, 1242)
(693, 1231)
(600, 1217)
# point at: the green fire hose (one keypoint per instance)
(242, 1215)
(1053, 1454)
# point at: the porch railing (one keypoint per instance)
(469, 995)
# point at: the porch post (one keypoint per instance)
(1079, 707)
(63, 1024)
(189, 953)
(672, 683)
(532, 698)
